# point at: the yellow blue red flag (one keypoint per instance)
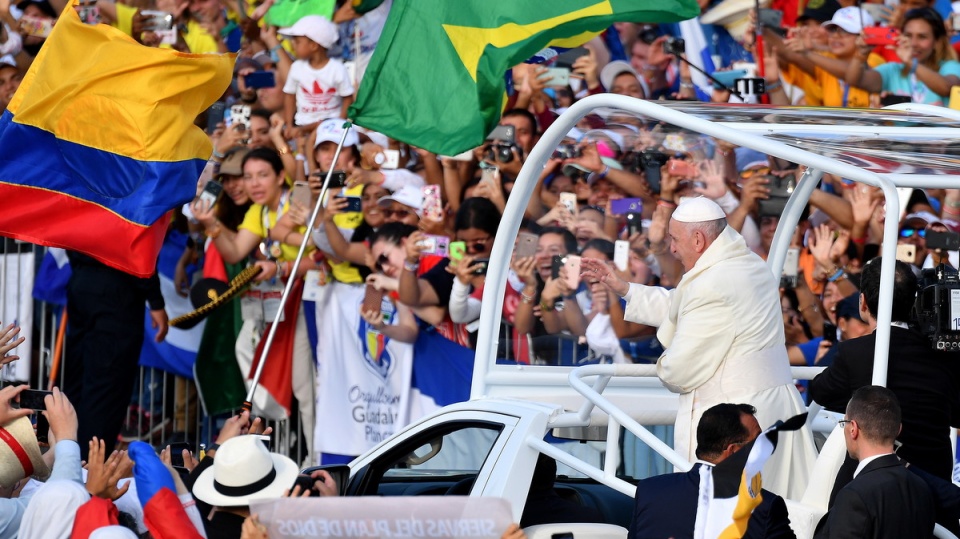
(98, 144)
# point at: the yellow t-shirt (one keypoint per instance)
(823, 89)
(346, 272)
(198, 40)
(253, 221)
(125, 15)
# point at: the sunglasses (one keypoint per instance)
(477, 246)
(909, 232)
(399, 214)
(381, 261)
(751, 172)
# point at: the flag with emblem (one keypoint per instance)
(436, 77)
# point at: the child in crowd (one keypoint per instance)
(318, 87)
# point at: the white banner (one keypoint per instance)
(363, 377)
(16, 307)
(371, 517)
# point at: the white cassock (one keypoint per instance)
(722, 329)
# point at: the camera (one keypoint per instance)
(781, 187)
(937, 307)
(501, 153)
(675, 46)
(566, 151)
(651, 161)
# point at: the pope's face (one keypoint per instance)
(682, 244)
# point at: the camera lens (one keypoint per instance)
(504, 154)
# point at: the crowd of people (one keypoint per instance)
(613, 261)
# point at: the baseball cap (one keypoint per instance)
(408, 195)
(568, 170)
(247, 62)
(7, 60)
(377, 138)
(612, 70)
(331, 130)
(925, 216)
(819, 10)
(42, 5)
(849, 19)
(314, 27)
(849, 307)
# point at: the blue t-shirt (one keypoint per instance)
(895, 82)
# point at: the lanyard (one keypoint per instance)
(846, 92)
(273, 246)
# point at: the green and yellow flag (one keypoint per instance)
(436, 79)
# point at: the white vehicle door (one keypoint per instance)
(447, 455)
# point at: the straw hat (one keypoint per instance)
(19, 453)
(245, 471)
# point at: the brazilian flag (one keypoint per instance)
(436, 77)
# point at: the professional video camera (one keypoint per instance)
(937, 307)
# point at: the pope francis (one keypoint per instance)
(722, 330)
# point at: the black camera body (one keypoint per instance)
(934, 308)
(651, 161)
(566, 151)
(781, 187)
(501, 153)
(675, 46)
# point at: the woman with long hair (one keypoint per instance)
(928, 66)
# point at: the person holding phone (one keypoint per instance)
(475, 224)
(265, 184)
(825, 84)
(928, 66)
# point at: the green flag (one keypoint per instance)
(286, 12)
(436, 79)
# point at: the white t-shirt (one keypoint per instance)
(319, 91)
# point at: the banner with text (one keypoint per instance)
(427, 517)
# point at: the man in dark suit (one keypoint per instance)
(925, 380)
(666, 505)
(884, 500)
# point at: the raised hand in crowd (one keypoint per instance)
(61, 416)
(8, 395)
(711, 174)
(464, 269)
(103, 476)
(560, 215)
(189, 460)
(586, 68)
(827, 249)
(492, 190)
(9, 341)
(239, 425)
(382, 282)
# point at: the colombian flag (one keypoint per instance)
(98, 144)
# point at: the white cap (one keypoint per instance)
(617, 67)
(408, 195)
(698, 210)
(8, 60)
(318, 29)
(331, 130)
(377, 138)
(849, 18)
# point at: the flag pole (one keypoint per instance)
(271, 333)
